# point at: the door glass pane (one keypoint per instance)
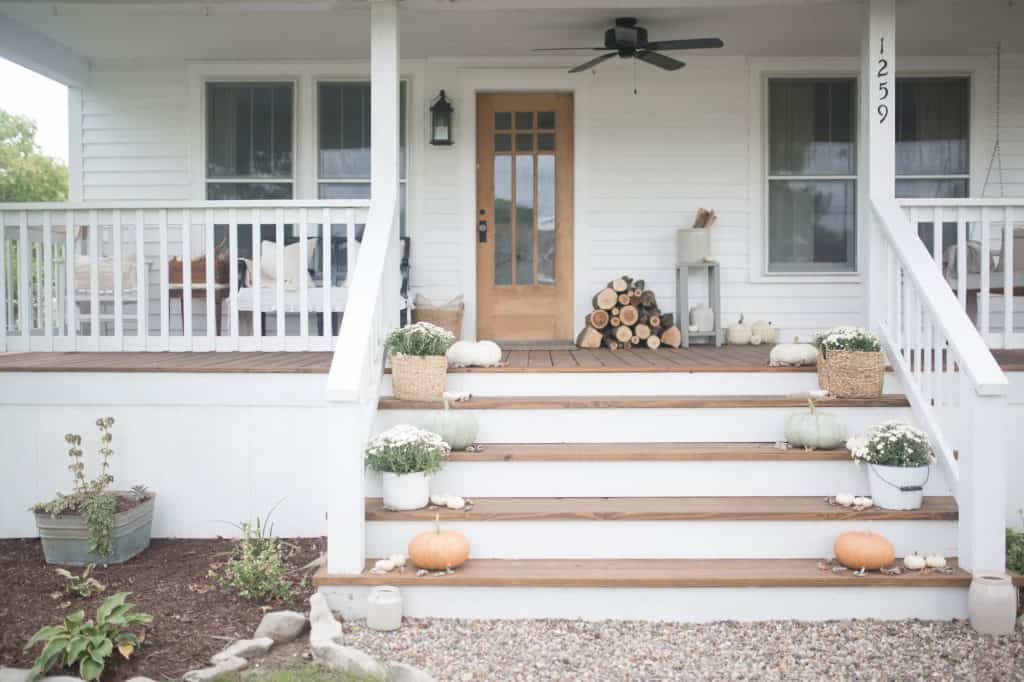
(524, 142)
(524, 120)
(811, 226)
(546, 219)
(503, 142)
(524, 220)
(502, 120)
(503, 220)
(546, 120)
(546, 142)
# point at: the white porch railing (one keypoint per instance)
(179, 276)
(978, 245)
(955, 387)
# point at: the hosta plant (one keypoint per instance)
(848, 338)
(420, 339)
(892, 443)
(406, 449)
(83, 585)
(87, 644)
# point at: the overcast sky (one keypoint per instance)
(41, 99)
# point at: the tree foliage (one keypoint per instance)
(26, 174)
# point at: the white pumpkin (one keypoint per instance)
(763, 329)
(384, 565)
(738, 334)
(935, 561)
(914, 562)
(755, 340)
(794, 354)
(863, 502)
(439, 500)
(455, 502)
(398, 560)
(844, 499)
(458, 428)
(815, 430)
(479, 354)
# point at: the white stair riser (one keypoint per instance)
(634, 383)
(691, 605)
(609, 425)
(651, 479)
(662, 539)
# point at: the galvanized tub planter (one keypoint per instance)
(66, 538)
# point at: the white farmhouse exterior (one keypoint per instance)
(865, 160)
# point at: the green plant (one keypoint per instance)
(87, 643)
(420, 339)
(89, 498)
(848, 338)
(257, 569)
(83, 585)
(406, 449)
(892, 443)
(1015, 548)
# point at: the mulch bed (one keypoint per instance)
(192, 617)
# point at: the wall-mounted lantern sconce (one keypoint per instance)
(441, 121)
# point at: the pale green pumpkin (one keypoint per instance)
(458, 428)
(815, 430)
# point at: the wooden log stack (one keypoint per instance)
(626, 315)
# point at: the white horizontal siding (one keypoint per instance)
(135, 136)
(1012, 179)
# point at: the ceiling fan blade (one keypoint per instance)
(660, 60)
(693, 44)
(593, 62)
(569, 49)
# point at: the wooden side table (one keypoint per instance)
(712, 271)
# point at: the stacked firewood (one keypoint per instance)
(626, 315)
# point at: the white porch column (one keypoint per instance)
(981, 491)
(878, 105)
(384, 97)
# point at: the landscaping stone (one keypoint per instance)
(141, 679)
(346, 659)
(403, 672)
(244, 648)
(323, 626)
(228, 665)
(281, 626)
(22, 674)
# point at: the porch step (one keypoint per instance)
(644, 452)
(655, 402)
(658, 589)
(663, 509)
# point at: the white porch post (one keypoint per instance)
(878, 109)
(350, 422)
(981, 492)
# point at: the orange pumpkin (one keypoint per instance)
(438, 550)
(859, 549)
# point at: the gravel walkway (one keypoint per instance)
(471, 651)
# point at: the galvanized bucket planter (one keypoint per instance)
(66, 538)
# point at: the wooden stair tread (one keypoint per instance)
(662, 509)
(661, 402)
(658, 573)
(643, 452)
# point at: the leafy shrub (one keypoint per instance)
(87, 643)
(1015, 549)
(405, 449)
(892, 443)
(257, 569)
(848, 338)
(420, 339)
(84, 585)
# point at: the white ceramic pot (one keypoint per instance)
(703, 317)
(694, 244)
(897, 487)
(992, 604)
(384, 608)
(406, 491)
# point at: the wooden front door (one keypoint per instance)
(524, 186)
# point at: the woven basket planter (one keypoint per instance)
(419, 378)
(851, 374)
(444, 317)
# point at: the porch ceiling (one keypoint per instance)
(114, 31)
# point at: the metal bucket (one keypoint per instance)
(66, 538)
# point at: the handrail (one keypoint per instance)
(972, 353)
(359, 349)
(174, 205)
(959, 202)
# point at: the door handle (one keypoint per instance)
(481, 231)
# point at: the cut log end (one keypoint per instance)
(642, 331)
(589, 338)
(672, 337)
(623, 334)
(618, 285)
(598, 319)
(653, 342)
(605, 299)
(629, 315)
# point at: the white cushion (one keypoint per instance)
(293, 267)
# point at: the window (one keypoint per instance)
(249, 140)
(343, 144)
(812, 175)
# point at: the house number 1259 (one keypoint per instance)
(883, 83)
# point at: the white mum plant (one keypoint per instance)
(848, 338)
(420, 339)
(406, 449)
(892, 443)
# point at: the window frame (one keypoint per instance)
(767, 178)
(206, 180)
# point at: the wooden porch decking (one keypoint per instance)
(694, 359)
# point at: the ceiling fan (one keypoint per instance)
(627, 40)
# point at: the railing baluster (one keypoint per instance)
(186, 277)
(279, 266)
(94, 279)
(233, 272)
(5, 291)
(303, 279)
(165, 286)
(212, 309)
(24, 297)
(70, 271)
(937, 236)
(326, 233)
(118, 282)
(141, 282)
(961, 257)
(257, 280)
(47, 298)
(985, 295)
(1008, 272)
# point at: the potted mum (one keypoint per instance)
(406, 457)
(850, 363)
(898, 458)
(94, 525)
(418, 363)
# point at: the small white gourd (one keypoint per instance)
(914, 562)
(397, 559)
(815, 430)
(935, 561)
(763, 329)
(384, 565)
(479, 354)
(863, 502)
(844, 499)
(455, 502)
(738, 334)
(794, 354)
(439, 500)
